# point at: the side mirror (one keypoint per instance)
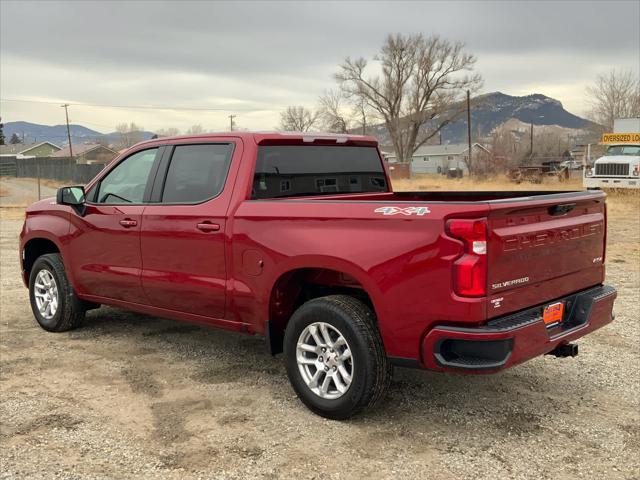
(73, 196)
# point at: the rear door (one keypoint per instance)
(545, 247)
(183, 231)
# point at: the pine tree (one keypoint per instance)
(15, 139)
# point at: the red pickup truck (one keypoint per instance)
(299, 238)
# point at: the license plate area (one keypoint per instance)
(553, 314)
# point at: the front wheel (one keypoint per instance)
(334, 356)
(53, 301)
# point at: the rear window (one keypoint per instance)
(297, 170)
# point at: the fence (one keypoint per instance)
(65, 169)
(8, 166)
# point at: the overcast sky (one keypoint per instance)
(255, 58)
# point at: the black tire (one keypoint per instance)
(70, 310)
(371, 368)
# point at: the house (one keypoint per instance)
(440, 158)
(88, 153)
(20, 150)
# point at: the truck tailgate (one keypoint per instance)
(543, 248)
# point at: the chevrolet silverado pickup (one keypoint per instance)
(300, 239)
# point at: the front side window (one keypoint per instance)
(196, 173)
(127, 182)
(317, 170)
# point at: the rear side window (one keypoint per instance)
(196, 173)
(296, 170)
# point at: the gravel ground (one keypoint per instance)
(18, 191)
(132, 396)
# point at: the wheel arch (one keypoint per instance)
(303, 282)
(34, 248)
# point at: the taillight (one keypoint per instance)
(470, 270)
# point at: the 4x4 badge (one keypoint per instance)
(403, 211)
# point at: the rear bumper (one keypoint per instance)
(507, 341)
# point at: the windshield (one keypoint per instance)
(295, 170)
(624, 150)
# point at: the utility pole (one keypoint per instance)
(468, 128)
(66, 112)
(231, 117)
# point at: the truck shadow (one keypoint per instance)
(510, 401)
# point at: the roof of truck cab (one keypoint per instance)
(273, 137)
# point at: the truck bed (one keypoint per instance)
(446, 196)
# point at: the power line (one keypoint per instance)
(142, 107)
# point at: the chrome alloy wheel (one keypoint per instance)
(45, 290)
(324, 360)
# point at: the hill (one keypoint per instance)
(57, 134)
(33, 132)
(494, 109)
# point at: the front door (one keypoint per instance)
(104, 242)
(183, 234)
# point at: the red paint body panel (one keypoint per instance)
(166, 265)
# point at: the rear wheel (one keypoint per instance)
(334, 356)
(53, 300)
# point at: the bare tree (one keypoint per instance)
(614, 95)
(333, 113)
(130, 134)
(167, 132)
(363, 115)
(419, 89)
(551, 143)
(298, 119)
(195, 130)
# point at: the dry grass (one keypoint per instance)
(3, 191)
(53, 183)
(621, 202)
(47, 182)
(438, 182)
(12, 212)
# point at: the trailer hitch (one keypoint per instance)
(565, 350)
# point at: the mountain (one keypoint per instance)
(494, 109)
(57, 134)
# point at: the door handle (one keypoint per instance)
(208, 227)
(127, 222)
